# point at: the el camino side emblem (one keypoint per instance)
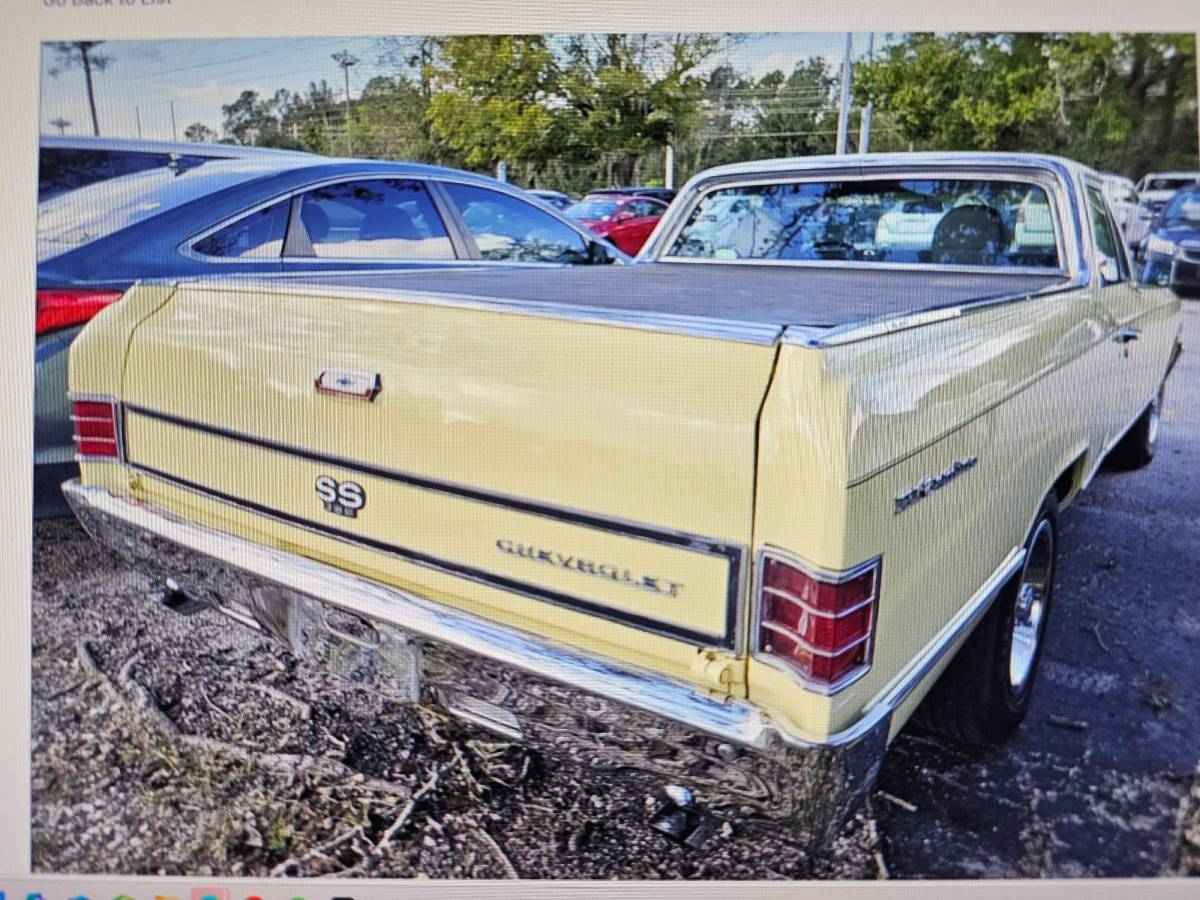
(933, 483)
(348, 383)
(343, 498)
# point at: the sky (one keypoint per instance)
(145, 82)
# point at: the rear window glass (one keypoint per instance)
(256, 236)
(1184, 209)
(927, 221)
(1167, 184)
(89, 213)
(61, 169)
(593, 210)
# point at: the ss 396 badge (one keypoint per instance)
(343, 498)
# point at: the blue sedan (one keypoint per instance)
(264, 216)
(1171, 250)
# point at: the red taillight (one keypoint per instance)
(95, 424)
(60, 309)
(822, 627)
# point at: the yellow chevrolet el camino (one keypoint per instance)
(721, 518)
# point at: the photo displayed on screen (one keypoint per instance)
(729, 456)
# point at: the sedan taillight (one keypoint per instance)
(61, 309)
(820, 626)
(95, 423)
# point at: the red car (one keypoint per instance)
(622, 220)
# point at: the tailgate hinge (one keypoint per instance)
(720, 673)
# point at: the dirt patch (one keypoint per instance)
(171, 745)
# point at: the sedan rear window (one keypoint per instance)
(951, 222)
(592, 210)
(256, 236)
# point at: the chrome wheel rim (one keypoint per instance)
(1155, 412)
(1029, 616)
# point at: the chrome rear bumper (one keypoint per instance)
(560, 701)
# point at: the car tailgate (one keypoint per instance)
(547, 471)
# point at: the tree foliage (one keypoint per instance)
(199, 133)
(575, 112)
(1122, 102)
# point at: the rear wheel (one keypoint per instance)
(985, 692)
(1136, 448)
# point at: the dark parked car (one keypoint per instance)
(259, 216)
(67, 163)
(626, 221)
(666, 195)
(1172, 248)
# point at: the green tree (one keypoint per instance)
(199, 133)
(629, 95)
(1124, 102)
(493, 98)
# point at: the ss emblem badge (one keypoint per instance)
(344, 498)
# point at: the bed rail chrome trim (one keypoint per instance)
(670, 323)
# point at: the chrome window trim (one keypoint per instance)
(670, 323)
(830, 576)
(1053, 183)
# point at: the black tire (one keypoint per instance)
(977, 700)
(1136, 448)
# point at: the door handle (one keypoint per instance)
(1125, 335)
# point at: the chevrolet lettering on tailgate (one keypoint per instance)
(588, 567)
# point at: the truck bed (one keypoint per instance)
(816, 296)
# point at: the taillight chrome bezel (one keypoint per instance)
(118, 439)
(828, 576)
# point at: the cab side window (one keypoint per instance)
(505, 228)
(382, 218)
(1108, 245)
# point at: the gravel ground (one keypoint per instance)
(171, 745)
(165, 745)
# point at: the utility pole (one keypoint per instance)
(669, 167)
(174, 132)
(84, 47)
(864, 128)
(844, 106)
(61, 124)
(137, 114)
(346, 59)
